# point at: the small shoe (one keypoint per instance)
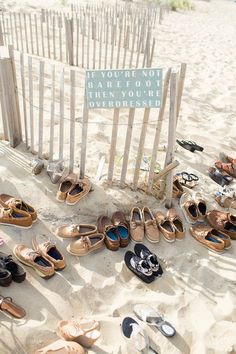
(36, 166)
(17, 272)
(222, 178)
(177, 188)
(65, 186)
(49, 250)
(55, 171)
(201, 206)
(34, 260)
(150, 225)
(223, 221)
(136, 225)
(8, 306)
(78, 191)
(166, 227)
(189, 208)
(61, 347)
(184, 144)
(5, 276)
(15, 217)
(119, 221)
(204, 235)
(177, 224)
(229, 168)
(139, 267)
(144, 253)
(75, 230)
(112, 239)
(186, 179)
(86, 244)
(18, 205)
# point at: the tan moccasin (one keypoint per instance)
(15, 217)
(201, 206)
(65, 186)
(177, 224)
(165, 226)
(223, 221)
(204, 235)
(18, 205)
(136, 225)
(34, 260)
(75, 230)
(86, 244)
(78, 191)
(150, 225)
(189, 208)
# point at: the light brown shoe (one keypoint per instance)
(18, 205)
(189, 208)
(65, 186)
(86, 244)
(136, 225)
(34, 260)
(49, 250)
(119, 221)
(78, 191)
(177, 224)
(150, 225)
(112, 239)
(204, 235)
(61, 347)
(13, 217)
(75, 230)
(165, 226)
(225, 222)
(177, 188)
(201, 206)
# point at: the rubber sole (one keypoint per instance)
(81, 255)
(204, 245)
(167, 240)
(151, 240)
(77, 200)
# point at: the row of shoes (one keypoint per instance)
(135, 334)
(72, 189)
(76, 335)
(44, 258)
(16, 212)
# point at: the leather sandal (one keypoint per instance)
(61, 346)
(8, 306)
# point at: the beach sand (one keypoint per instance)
(197, 292)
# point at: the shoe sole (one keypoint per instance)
(29, 265)
(77, 200)
(60, 201)
(81, 255)
(152, 240)
(168, 240)
(21, 227)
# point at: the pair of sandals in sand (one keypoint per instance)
(135, 334)
(10, 308)
(75, 336)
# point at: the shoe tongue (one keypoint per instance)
(150, 222)
(86, 240)
(33, 255)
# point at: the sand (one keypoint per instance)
(197, 291)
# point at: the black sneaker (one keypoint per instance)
(17, 272)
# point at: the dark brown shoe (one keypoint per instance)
(106, 227)
(206, 236)
(119, 221)
(225, 222)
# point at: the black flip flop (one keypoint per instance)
(184, 144)
(139, 267)
(216, 176)
(144, 253)
(195, 145)
(17, 272)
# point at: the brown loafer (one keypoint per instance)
(14, 217)
(177, 224)
(78, 191)
(7, 305)
(177, 188)
(86, 244)
(189, 208)
(119, 221)
(201, 206)
(150, 225)
(106, 227)
(225, 222)
(204, 235)
(136, 225)
(34, 260)
(65, 186)
(61, 346)
(75, 230)
(165, 226)
(18, 205)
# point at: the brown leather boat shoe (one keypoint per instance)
(150, 225)
(177, 188)
(189, 208)
(78, 191)
(14, 217)
(65, 186)
(75, 230)
(165, 226)
(112, 239)
(18, 205)
(86, 244)
(204, 235)
(119, 221)
(201, 206)
(177, 224)
(225, 222)
(136, 225)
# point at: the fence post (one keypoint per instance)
(9, 96)
(69, 40)
(1, 34)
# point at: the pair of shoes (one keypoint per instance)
(194, 207)
(186, 179)
(220, 177)
(189, 145)
(142, 222)
(9, 307)
(143, 263)
(10, 270)
(115, 230)
(16, 212)
(44, 258)
(177, 187)
(55, 170)
(136, 334)
(223, 221)
(72, 189)
(171, 225)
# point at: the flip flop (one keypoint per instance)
(139, 267)
(144, 253)
(184, 144)
(8, 306)
(195, 145)
(151, 316)
(133, 332)
(188, 180)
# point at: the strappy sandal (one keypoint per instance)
(8, 306)
(188, 180)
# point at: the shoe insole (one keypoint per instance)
(65, 186)
(193, 211)
(112, 235)
(212, 239)
(123, 232)
(230, 227)
(94, 240)
(178, 225)
(76, 190)
(147, 216)
(218, 234)
(53, 252)
(42, 262)
(167, 226)
(202, 208)
(136, 216)
(83, 229)
(16, 215)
